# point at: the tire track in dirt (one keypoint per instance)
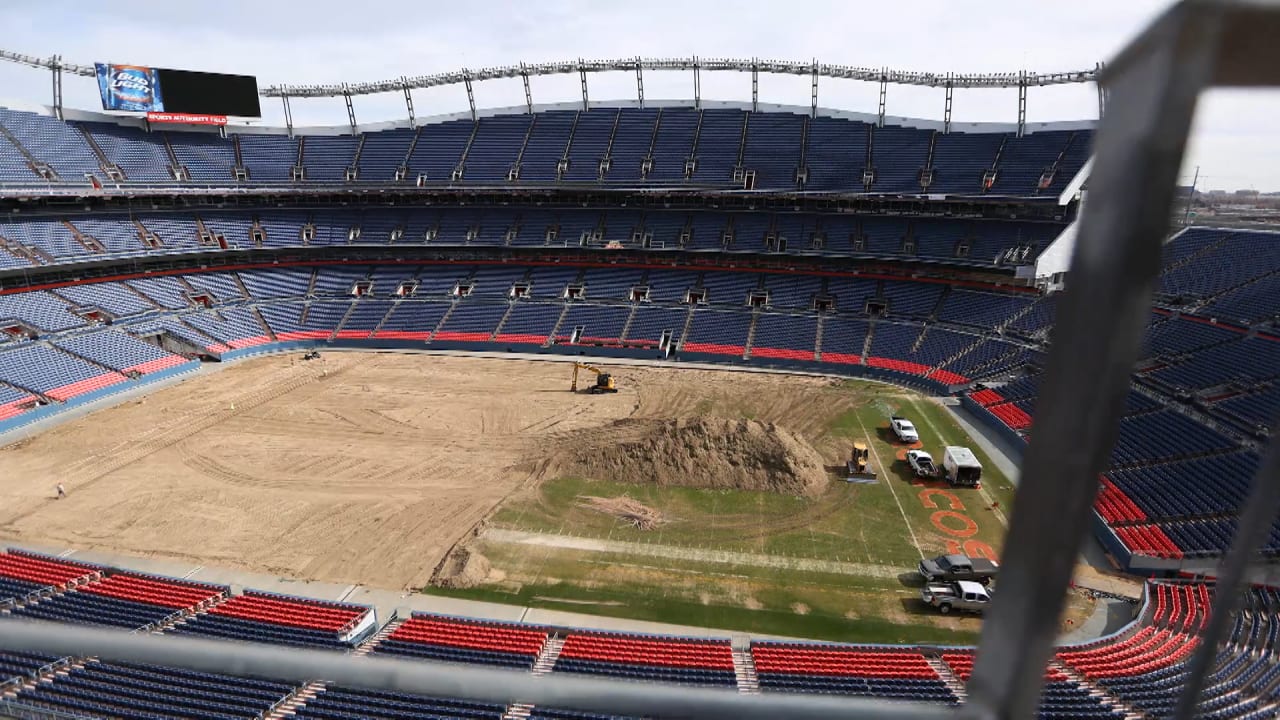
(175, 431)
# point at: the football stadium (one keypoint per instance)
(734, 399)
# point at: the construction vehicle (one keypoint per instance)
(860, 463)
(604, 381)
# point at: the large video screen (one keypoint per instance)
(137, 88)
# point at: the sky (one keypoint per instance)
(1232, 143)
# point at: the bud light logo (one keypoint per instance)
(129, 88)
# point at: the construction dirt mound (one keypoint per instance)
(705, 452)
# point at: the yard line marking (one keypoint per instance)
(889, 480)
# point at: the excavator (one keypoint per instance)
(604, 381)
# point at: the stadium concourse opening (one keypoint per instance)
(766, 287)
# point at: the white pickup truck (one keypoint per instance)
(963, 595)
(903, 429)
(921, 464)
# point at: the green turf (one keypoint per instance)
(849, 523)
(839, 608)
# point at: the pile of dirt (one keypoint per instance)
(463, 568)
(704, 452)
(640, 516)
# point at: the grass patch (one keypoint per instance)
(735, 599)
(848, 523)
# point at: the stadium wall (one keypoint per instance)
(47, 411)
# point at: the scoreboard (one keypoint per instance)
(175, 93)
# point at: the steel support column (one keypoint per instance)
(1022, 102)
(408, 100)
(528, 94)
(582, 74)
(351, 111)
(884, 87)
(640, 81)
(55, 67)
(697, 83)
(946, 111)
(288, 114)
(1138, 151)
(755, 85)
(471, 96)
(1102, 93)
(813, 96)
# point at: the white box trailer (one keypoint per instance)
(961, 466)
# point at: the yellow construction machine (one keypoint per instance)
(860, 463)
(604, 381)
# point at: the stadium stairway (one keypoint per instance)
(744, 670)
(1130, 712)
(547, 656)
(948, 677)
(376, 639)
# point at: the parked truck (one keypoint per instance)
(961, 467)
(921, 464)
(903, 429)
(958, 567)
(964, 596)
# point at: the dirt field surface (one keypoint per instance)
(356, 468)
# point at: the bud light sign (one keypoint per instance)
(129, 88)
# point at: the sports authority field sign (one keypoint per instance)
(186, 118)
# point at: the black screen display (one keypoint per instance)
(209, 93)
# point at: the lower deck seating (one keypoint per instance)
(16, 664)
(681, 660)
(18, 588)
(849, 670)
(122, 599)
(17, 565)
(147, 691)
(89, 609)
(230, 628)
(466, 641)
(291, 612)
(336, 703)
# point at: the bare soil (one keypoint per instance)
(701, 451)
(360, 467)
(357, 468)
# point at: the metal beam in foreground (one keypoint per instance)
(448, 680)
(1153, 86)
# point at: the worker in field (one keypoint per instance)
(62, 491)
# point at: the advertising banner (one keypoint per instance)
(129, 88)
(186, 118)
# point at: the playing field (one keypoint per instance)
(372, 467)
